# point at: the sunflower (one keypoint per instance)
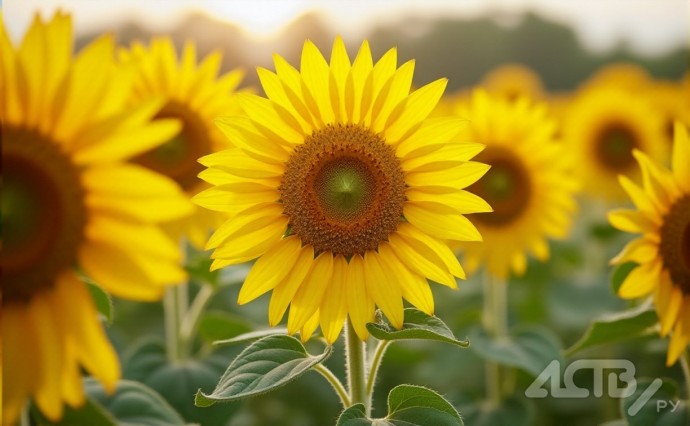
(663, 250)
(603, 126)
(529, 185)
(672, 99)
(194, 95)
(343, 189)
(621, 75)
(513, 81)
(69, 202)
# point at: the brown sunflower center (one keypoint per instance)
(43, 213)
(177, 158)
(675, 243)
(343, 190)
(614, 147)
(506, 187)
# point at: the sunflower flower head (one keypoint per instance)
(662, 253)
(530, 185)
(69, 200)
(513, 81)
(343, 189)
(603, 126)
(193, 94)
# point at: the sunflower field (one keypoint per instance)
(443, 217)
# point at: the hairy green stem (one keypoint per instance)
(356, 366)
(25, 416)
(335, 383)
(495, 322)
(374, 367)
(190, 320)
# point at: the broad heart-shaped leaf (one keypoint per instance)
(252, 335)
(265, 365)
(529, 348)
(102, 300)
(416, 325)
(408, 405)
(655, 402)
(134, 404)
(629, 324)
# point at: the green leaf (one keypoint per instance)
(655, 402)
(416, 325)
(265, 365)
(621, 326)
(408, 405)
(530, 348)
(102, 300)
(219, 325)
(511, 411)
(620, 273)
(91, 413)
(133, 404)
(252, 335)
(178, 381)
(354, 416)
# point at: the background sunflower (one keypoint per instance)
(194, 94)
(71, 206)
(530, 185)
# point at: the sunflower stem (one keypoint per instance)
(175, 303)
(495, 322)
(335, 384)
(190, 320)
(356, 366)
(685, 365)
(374, 367)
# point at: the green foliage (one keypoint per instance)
(617, 327)
(219, 325)
(407, 406)
(512, 411)
(252, 335)
(416, 325)
(148, 363)
(655, 402)
(529, 348)
(133, 404)
(102, 300)
(265, 365)
(620, 274)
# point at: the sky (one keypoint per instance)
(649, 27)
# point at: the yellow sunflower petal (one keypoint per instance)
(308, 298)
(333, 309)
(440, 221)
(360, 304)
(382, 284)
(681, 156)
(416, 107)
(419, 264)
(641, 281)
(414, 288)
(269, 270)
(631, 221)
(284, 292)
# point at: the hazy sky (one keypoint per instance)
(647, 26)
